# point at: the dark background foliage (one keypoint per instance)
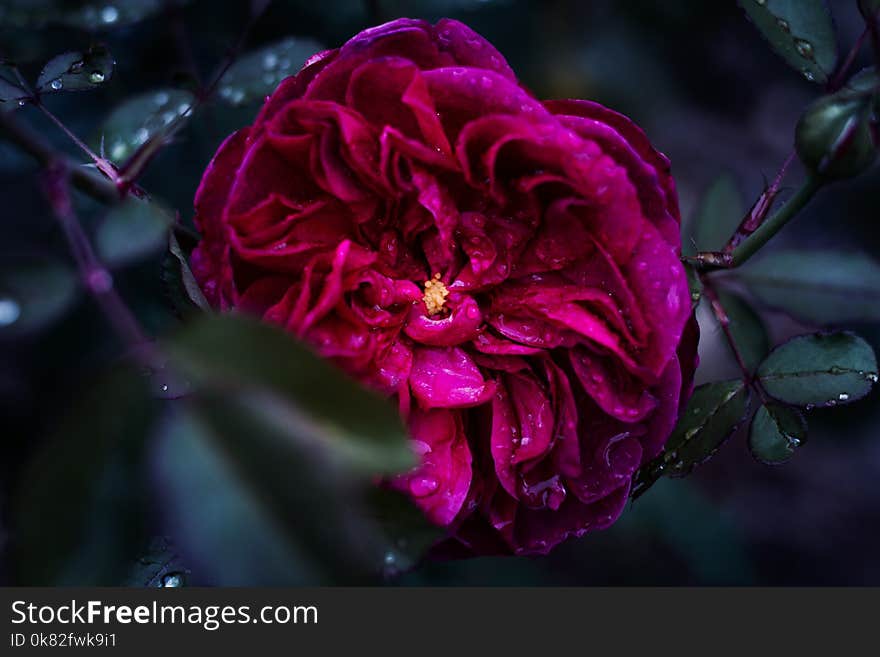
(695, 75)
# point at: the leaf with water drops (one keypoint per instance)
(320, 404)
(33, 294)
(713, 413)
(824, 369)
(11, 91)
(801, 31)
(776, 431)
(719, 214)
(141, 117)
(132, 230)
(81, 512)
(818, 286)
(76, 71)
(161, 567)
(746, 328)
(179, 283)
(257, 73)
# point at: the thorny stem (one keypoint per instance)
(710, 261)
(94, 275)
(759, 211)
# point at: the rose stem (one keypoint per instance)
(711, 261)
(94, 275)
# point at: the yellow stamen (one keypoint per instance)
(435, 295)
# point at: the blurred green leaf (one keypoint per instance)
(179, 283)
(83, 14)
(801, 31)
(713, 413)
(775, 433)
(824, 369)
(719, 214)
(321, 405)
(747, 329)
(824, 287)
(409, 532)
(80, 516)
(140, 118)
(33, 294)
(76, 71)
(132, 230)
(251, 504)
(256, 74)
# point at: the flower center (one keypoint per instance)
(435, 295)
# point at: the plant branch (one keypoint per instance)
(711, 260)
(97, 280)
(35, 145)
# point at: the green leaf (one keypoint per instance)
(712, 415)
(775, 433)
(256, 74)
(10, 90)
(695, 285)
(76, 71)
(319, 405)
(80, 515)
(719, 214)
(132, 230)
(801, 31)
(823, 287)
(250, 504)
(180, 285)
(824, 369)
(140, 118)
(747, 329)
(33, 294)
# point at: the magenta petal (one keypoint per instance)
(460, 325)
(440, 484)
(448, 378)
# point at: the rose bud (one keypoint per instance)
(507, 270)
(837, 135)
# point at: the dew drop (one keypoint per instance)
(793, 442)
(843, 396)
(871, 377)
(118, 150)
(270, 61)
(160, 98)
(172, 581)
(57, 84)
(109, 14)
(141, 136)
(761, 2)
(783, 24)
(808, 74)
(804, 48)
(96, 77)
(10, 311)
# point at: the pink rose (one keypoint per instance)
(506, 269)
